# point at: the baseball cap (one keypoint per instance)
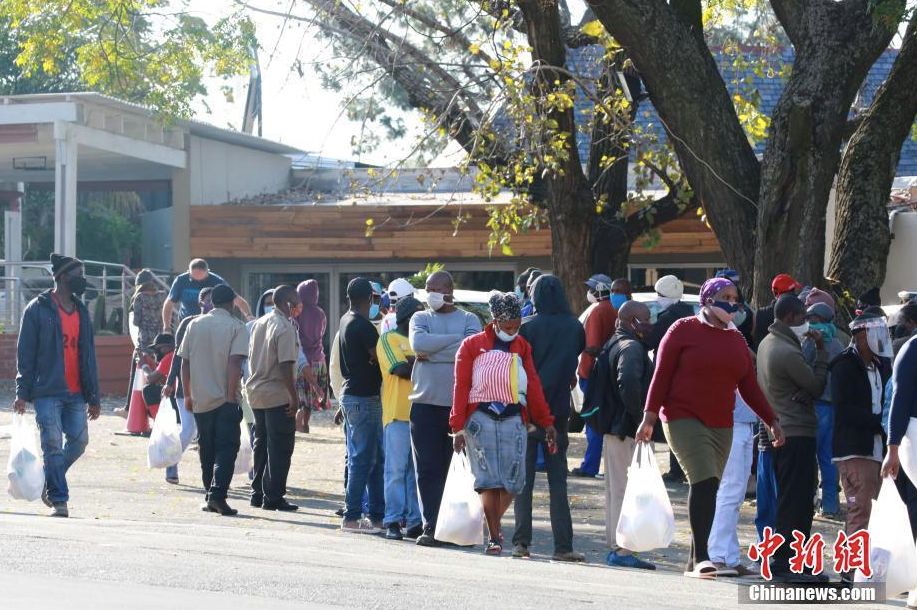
(406, 307)
(670, 286)
(359, 288)
(600, 282)
(730, 274)
(400, 288)
(822, 310)
(162, 339)
(784, 283)
(222, 294)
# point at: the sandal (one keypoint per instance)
(705, 570)
(494, 547)
(723, 570)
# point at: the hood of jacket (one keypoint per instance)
(312, 322)
(549, 297)
(308, 293)
(259, 310)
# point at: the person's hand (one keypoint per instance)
(94, 412)
(292, 406)
(249, 317)
(817, 337)
(168, 390)
(189, 404)
(422, 358)
(458, 442)
(19, 406)
(411, 360)
(891, 464)
(339, 417)
(550, 435)
(777, 431)
(645, 431)
(802, 397)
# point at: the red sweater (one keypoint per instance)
(537, 408)
(698, 368)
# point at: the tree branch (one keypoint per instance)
(669, 207)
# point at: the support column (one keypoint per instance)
(65, 167)
(12, 251)
(181, 213)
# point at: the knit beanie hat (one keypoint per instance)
(61, 264)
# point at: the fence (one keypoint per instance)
(110, 288)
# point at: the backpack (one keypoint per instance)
(601, 403)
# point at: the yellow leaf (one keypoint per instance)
(506, 250)
(474, 49)
(593, 28)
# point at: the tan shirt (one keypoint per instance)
(274, 341)
(209, 342)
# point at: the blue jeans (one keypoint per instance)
(187, 432)
(365, 457)
(766, 493)
(61, 417)
(400, 484)
(592, 459)
(824, 436)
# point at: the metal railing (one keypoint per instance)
(110, 288)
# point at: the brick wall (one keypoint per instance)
(113, 356)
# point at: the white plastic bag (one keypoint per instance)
(164, 448)
(24, 469)
(647, 521)
(460, 513)
(245, 458)
(892, 554)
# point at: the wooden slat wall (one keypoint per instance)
(402, 232)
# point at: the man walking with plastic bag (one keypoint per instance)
(56, 371)
(212, 352)
(619, 391)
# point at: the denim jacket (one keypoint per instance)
(40, 352)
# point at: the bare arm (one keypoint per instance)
(243, 306)
(167, 314)
(186, 385)
(288, 373)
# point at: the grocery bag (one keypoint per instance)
(460, 513)
(245, 457)
(24, 469)
(164, 448)
(892, 554)
(647, 521)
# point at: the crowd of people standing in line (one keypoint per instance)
(416, 384)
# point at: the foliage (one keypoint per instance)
(14, 82)
(419, 279)
(149, 51)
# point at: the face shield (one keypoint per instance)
(878, 338)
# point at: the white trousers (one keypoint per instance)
(723, 544)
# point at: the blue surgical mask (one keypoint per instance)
(519, 292)
(618, 300)
(740, 317)
(373, 311)
(727, 306)
(268, 309)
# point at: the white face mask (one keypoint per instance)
(436, 301)
(666, 302)
(590, 296)
(508, 338)
(801, 330)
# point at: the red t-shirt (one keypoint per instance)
(698, 368)
(599, 324)
(70, 326)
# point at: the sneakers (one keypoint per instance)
(172, 480)
(426, 538)
(59, 509)
(671, 477)
(579, 472)
(520, 551)
(804, 578)
(45, 498)
(494, 547)
(281, 505)
(394, 532)
(569, 557)
(362, 526)
(912, 599)
(256, 501)
(121, 412)
(221, 507)
(414, 532)
(616, 560)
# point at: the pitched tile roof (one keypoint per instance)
(769, 85)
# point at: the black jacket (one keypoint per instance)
(557, 339)
(855, 425)
(764, 317)
(618, 386)
(665, 320)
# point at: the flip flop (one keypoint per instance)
(705, 570)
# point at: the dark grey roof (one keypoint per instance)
(585, 61)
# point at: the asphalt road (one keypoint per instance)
(134, 541)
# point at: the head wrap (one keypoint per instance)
(711, 287)
(504, 306)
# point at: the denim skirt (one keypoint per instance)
(496, 452)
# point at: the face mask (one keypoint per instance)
(618, 300)
(740, 317)
(436, 300)
(508, 338)
(724, 311)
(519, 292)
(666, 302)
(827, 329)
(207, 307)
(801, 330)
(373, 311)
(76, 284)
(268, 309)
(590, 296)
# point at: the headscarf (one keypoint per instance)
(312, 322)
(711, 287)
(504, 306)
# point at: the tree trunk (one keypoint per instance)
(862, 234)
(836, 44)
(690, 96)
